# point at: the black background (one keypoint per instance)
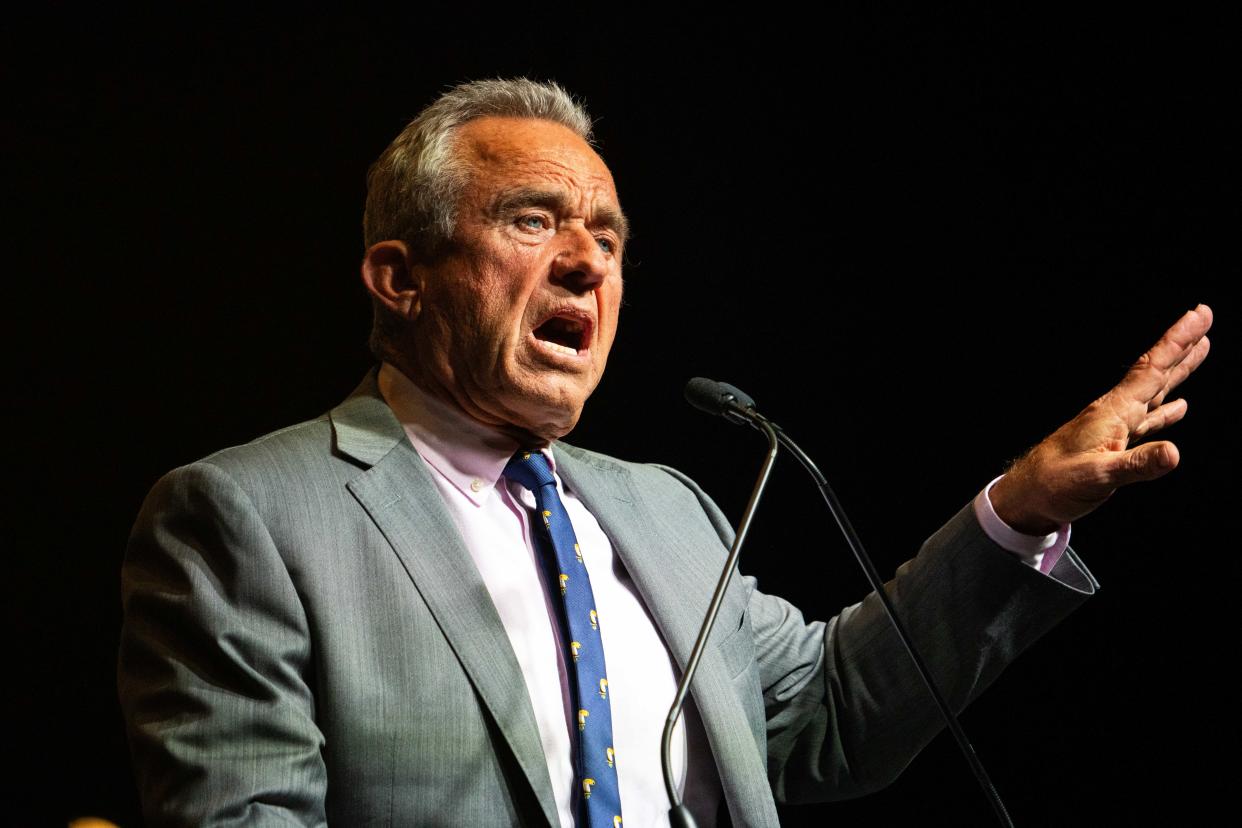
(921, 239)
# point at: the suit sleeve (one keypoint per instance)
(845, 709)
(214, 663)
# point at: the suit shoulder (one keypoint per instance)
(655, 475)
(664, 487)
(310, 438)
(268, 468)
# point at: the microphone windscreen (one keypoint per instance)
(704, 394)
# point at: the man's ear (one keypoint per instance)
(389, 275)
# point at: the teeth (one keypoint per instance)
(564, 349)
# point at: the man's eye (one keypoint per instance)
(533, 222)
(606, 245)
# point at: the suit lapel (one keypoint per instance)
(676, 583)
(400, 496)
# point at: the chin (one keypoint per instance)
(547, 404)
(549, 419)
(555, 424)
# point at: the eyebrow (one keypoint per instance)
(511, 201)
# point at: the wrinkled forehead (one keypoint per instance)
(501, 152)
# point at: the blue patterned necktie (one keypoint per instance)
(599, 797)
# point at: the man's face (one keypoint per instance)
(516, 321)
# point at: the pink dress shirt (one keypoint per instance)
(467, 460)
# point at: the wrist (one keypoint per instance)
(1013, 503)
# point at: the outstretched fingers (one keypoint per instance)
(1161, 417)
(1177, 353)
(1183, 369)
(1178, 340)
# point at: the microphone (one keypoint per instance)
(724, 400)
(721, 399)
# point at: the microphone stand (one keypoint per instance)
(727, 401)
(877, 584)
(678, 814)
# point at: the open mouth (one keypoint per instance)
(566, 333)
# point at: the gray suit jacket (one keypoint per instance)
(306, 639)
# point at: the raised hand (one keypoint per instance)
(1083, 462)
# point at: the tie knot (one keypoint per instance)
(530, 469)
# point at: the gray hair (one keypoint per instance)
(413, 189)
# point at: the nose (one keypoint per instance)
(580, 265)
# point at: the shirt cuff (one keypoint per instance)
(1039, 551)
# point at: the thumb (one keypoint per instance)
(1145, 462)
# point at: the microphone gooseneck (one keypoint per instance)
(733, 405)
(724, 400)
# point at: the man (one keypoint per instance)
(357, 619)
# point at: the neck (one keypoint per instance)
(496, 431)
